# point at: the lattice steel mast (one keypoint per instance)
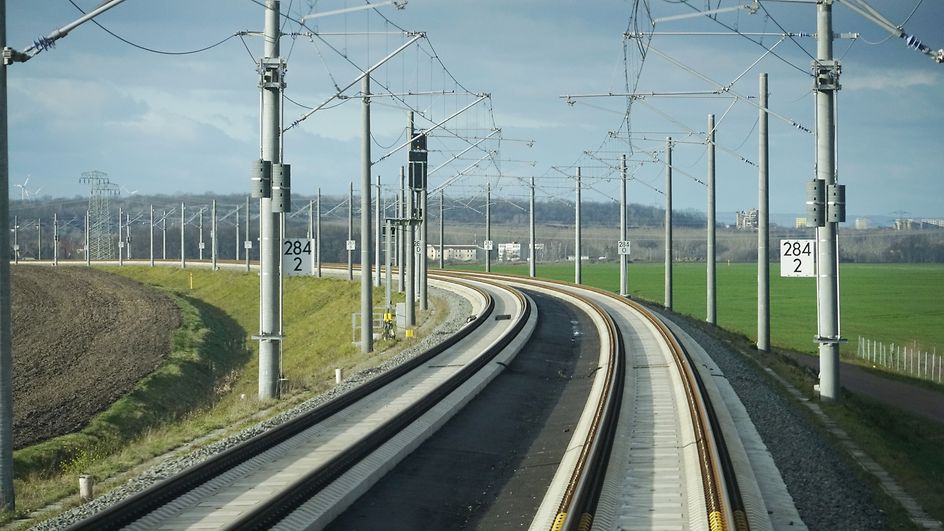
(100, 239)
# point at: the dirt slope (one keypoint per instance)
(81, 339)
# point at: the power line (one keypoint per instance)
(772, 19)
(738, 32)
(152, 50)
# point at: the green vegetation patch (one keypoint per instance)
(906, 446)
(892, 303)
(316, 318)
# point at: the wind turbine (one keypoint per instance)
(24, 193)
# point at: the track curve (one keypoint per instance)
(644, 384)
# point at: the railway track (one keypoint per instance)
(658, 429)
(309, 469)
(355, 423)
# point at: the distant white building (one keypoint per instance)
(861, 223)
(746, 220)
(453, 253)
(509, 252)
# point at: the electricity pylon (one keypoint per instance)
(100, 240)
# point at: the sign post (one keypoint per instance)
(797, 258)
(298, 259)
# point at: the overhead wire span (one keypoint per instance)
(736, 31)
(241, 39)
(785, 32)
(432, 55)
(727, 90)
(397, 139)
(908, 18)
(153, 50)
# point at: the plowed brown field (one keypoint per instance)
(81, 339)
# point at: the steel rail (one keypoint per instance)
(584, 487)
(725, 507)
(720, 516)
(272, 511)
(138, 505)
(575, 510)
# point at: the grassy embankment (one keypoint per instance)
(208, 384)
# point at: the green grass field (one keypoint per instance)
(900, 303)
(317, 320)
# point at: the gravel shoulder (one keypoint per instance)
(82, 338)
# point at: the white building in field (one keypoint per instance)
(452, 253)
(746, 220)
(509, 252)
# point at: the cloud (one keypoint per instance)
(889, 80)
(521, 121)
(179, 115)
(71, 103)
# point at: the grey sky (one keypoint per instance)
(166, 124)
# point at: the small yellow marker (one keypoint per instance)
(716, 521)
(409, 332)
(191, 280)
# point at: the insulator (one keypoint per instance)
(44, 43)
(914, 42)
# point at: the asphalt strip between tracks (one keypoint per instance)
(319, 511)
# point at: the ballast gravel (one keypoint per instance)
(459, 311)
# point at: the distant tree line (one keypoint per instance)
(465, 221)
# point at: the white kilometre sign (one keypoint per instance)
(297, 257)
(488, 245)
(622, 246)
(350, 245)
(798, 258)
